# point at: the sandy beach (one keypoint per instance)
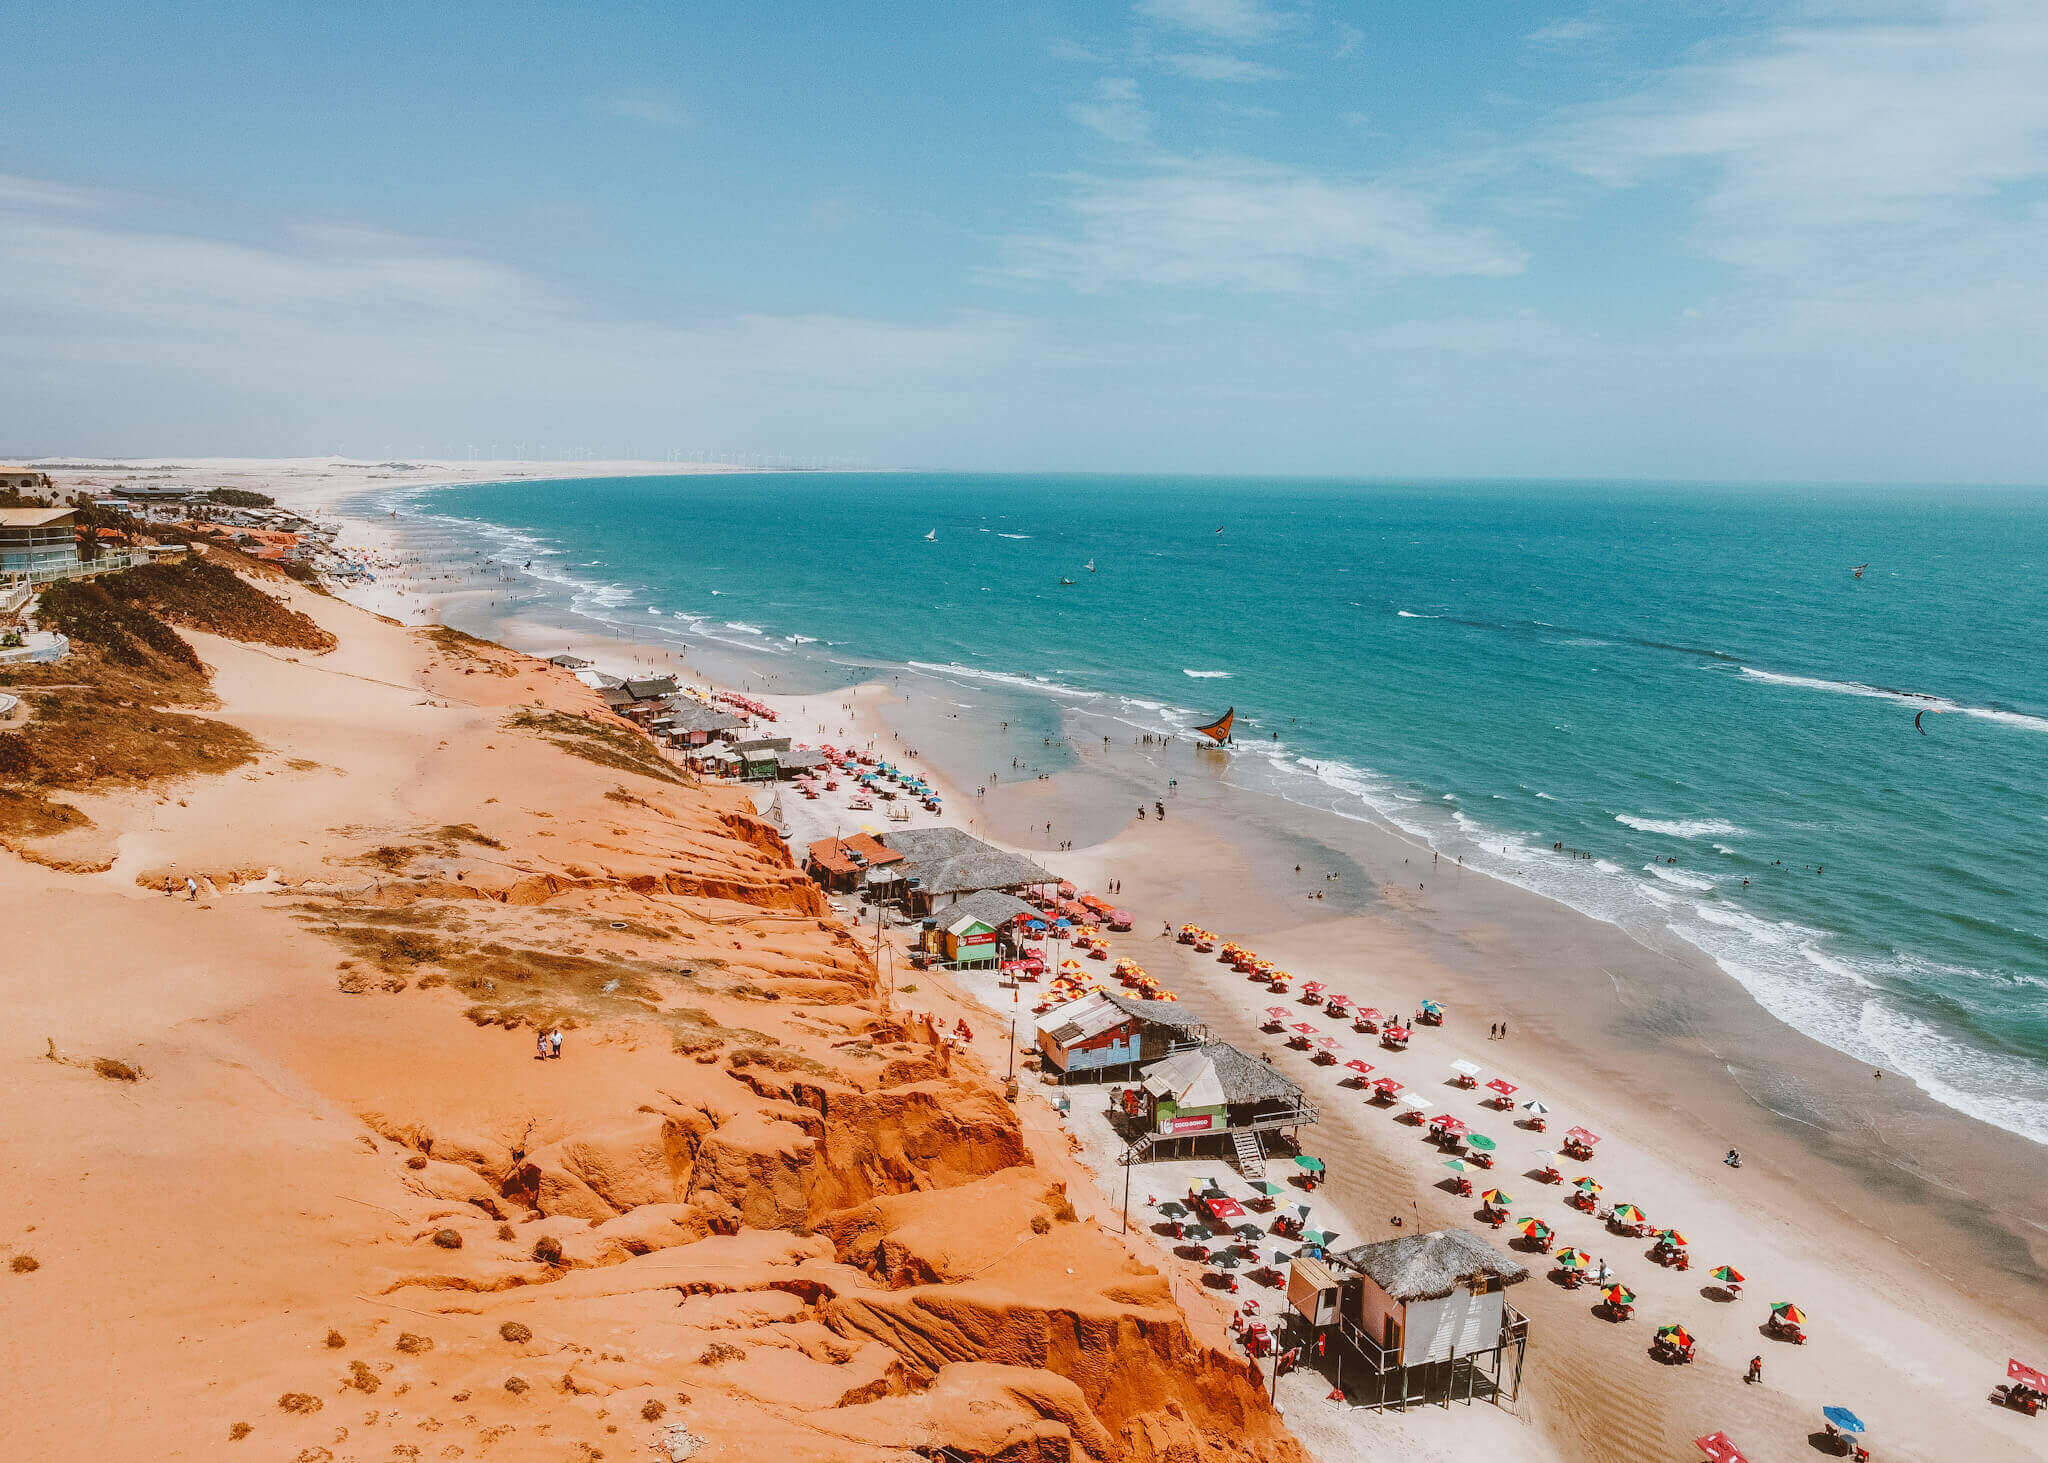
(289, 1172)
(1907, 1232)
(1897, 1223)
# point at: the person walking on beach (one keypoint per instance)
(1756, 1370)
(191, 890)
(555, 1042)
(540, 1046)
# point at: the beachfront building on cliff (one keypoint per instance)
(1421, 1318)
(941, 865)
(976, 929)
(842, 864)
(1211, 1097)
(25, 483)
(1104, 1035)
(38, 540)
(689, 723)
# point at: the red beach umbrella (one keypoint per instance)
(1718, 1449)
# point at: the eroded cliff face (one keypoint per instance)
(750, 1211)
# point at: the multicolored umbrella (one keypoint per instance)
(1270, 1190)
(1534, 1229)
(1673, 1237)
(1586, 1185)
(1628, 1214)
(1618, 1295)
(1784, 1310)
(1434, 1008)
(1726, 1274)
(1572, 1259)
(1536, 1107)
(1500, 1198)
(1676, 1334)
(1460, 1165)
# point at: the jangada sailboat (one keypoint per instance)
(1217, 732)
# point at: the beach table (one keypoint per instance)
(1359, 1070)
(1503, 1093)
(1385, 1089)
(1302, 1032)
(1417, 1105)
(1366, 1019)
(1326, 1052)
(1467, 1073)
(1394, 1038)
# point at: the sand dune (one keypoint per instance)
(342, 1211)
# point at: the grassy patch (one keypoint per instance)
(595, 741)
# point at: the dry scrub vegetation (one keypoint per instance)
(118, 710)
(595, 741)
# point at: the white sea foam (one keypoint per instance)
(744, 628)
(1546, 797)
(801, 639)
(1003, 678)
(1681, 827)
(1208, 675)
(1681, 878)
(1411, 615)
(1013, 535)
(1919, 700)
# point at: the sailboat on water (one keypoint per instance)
(932, 537)
(1091, 566)
(1217, 732)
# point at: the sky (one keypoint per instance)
(1692, 239)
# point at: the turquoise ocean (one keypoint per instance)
(1641, 673)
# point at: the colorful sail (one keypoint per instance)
(1219, 730)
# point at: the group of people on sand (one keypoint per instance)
(547, 1044)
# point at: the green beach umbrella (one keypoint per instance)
(1271, 1191)
(1459, 1164)
(1481, 1142)
(1315, 1237)
(1313, 1165)
(1434, 1008)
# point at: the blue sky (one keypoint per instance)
(1741, 240)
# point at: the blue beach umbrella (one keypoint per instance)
(1843, 1418)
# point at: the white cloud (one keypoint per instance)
(1115, 112)
(1237, 21)
(1250, 225)
(1566, 33)
(650, 108)
(1903, 153)
(1208, 66)
(32, 193)
(1059, 48)
(1529, 335)
(1349, 39)
(355, 324)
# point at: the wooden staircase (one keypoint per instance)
(1251, 1159)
